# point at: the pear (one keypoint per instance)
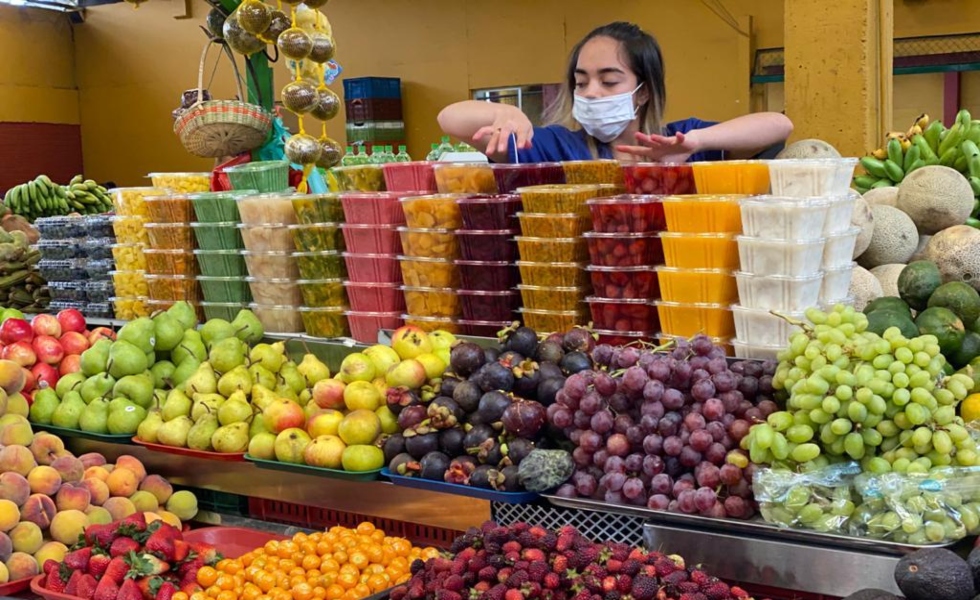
(159, 397)
(203, 381)
(125, 418)
(261, 376)
(96, 386)
(231, 438)
(216, 330)
(238, 379)
(163, 372)
(312, 369)
(69, 382)
(68, 412)
(190, 345)
(199, 436)
(126, 358)
(174, 433)
(268, 356)
(206, 404)
(235, 409)
(94, 419)
(304, 397)
(45, 403)
(284, 391)
(184, 370)
(138, 388)
(262, 396)
(248, 328)
(151, 358)
(184, 313)
(227, 354)
(93, 361)
(148, 429)
(140, 333)
(168, 331)
(177, 405)
(257, 426)
(289, 373)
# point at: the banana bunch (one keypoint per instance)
(44, 198)
(925, 143)
(21, 284)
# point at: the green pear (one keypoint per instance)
(257, 426)
(93, 361)
(284, 391)
(69, 382)
(174, 433)
(94, 419)
(206, 404)
(199, 436)
(190, 345)
(262, 396)
(148, 429)
(248, 328)
(126, 359)
(268, 356)
(238, 379)
(289, 373)
(177, 405)
(68, 412)
(227, 354)
(138, 388)
(125, 419)
(312, 369)
(202, 381)
(45, 403)
(216, 330)
(235, 409)
(168, 331)
(184, 313)
(159, 397)
(140, 333)
(151, 358)
(96, 386)
(261, 376)
(184, 370)
(231, 438)
(162, 373)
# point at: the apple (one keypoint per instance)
(46, 375)
(21, 353)
(46, 325)
(409, 341)
(101, 332)
(16, 330)
(283, 414)
(329, 393)
(325, 451)
(71, 363)
(71, 320)
(30, 381)
(409, 373)
(48, 349)
(74, 342)
(324, 423)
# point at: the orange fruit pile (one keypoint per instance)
(338, 564)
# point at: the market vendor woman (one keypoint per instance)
(611, 106)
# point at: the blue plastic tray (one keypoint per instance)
(460, 490)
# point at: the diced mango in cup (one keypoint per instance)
(129, 257)
(129, 202)
(128, 309)
(437, 211)
(182, 183)
(129, 284)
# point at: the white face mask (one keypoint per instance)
(607, 117)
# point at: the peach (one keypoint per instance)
(51, 551)
(46, 447)
(14, 487)
(169, 518)
(10, 417)
(9, 514)
(122, 482)
(158, 486)
(67, 525)
(92, 459)
(12, 377)
(6, 547)
(144, 501)
(98, 516)
(21, 565)
(27, 537)
(73, 496)
(39, 509)
(151, 516)
(97, 489)
(125, 461)
(4, 574)
(119, 507)
(71, 468)
(17, 459)
(19, 434)
(44, 480)
(96, 472)
(183, 504)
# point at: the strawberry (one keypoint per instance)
(162, 543)
(50, 565)
(206, 552)
(136, 520)
(552, 581)
(190, 588)
(149, 585)
(78, 559)
(54, 582)
(644, 587)
(167, 591)
(72, 585)
(188, 577)
(190, 566)
(513, 594)
(98, 564)
(129, 591)
(181, 550)
(147, 564)
(106, 590)
(533, 554)
(122, 546)
(718, 591)
(117, 570)
(100, 535)
(87, 586)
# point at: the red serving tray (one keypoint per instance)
(225, 457)
(231, 542)
(13, 587)
(38, 588)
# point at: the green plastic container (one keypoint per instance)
(221, 263)
(222, 310)
(318, 208)
(218, 236)
(225, 289)
(218, 207)
(265, 176)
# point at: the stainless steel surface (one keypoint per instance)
(378, 499)
(756, 528)
(780, 564)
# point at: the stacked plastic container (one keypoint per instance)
(603, 171)
(221, 266)
(76, 259)
(318, 239)
(171, 268)
(797, 250)
(128, 226)
(359, 178)
(264, 177)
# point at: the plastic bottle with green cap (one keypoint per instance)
(446, 145)
(434, 154)
(402, 155)
(348, 157)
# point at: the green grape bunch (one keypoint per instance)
(854, 395)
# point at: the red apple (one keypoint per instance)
(74, 342)
(283, 414)
(46, 375)
(16, 330)
(46, 325)
(71, 319)
(21, 353)
(329, 393)
(48, 349)
(72, 363)
(30, 381)
(100, 332)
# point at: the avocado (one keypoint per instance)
(934, 574)
(872, 594)
(973, 560)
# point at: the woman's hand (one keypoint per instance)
(659, 148)
(497, 135)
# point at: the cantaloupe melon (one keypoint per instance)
(956, 251)
(936, 197)
(883, 195)
(810, 148)
(893, 240)
(862, 217)
(920, 250)
(888, 277)
(865, 287)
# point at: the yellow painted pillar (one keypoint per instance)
(839, 71)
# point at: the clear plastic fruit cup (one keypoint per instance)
(271, 291)
(372, 239)
(781, 217)
(222, 310)
(321, 265)
(714, 320)
(627, 214)
(427, 323)
(278, 318)
(323, 292)
(182, 183)
(273, 237)
(562, 199)
(129, 284)
(129, 257)
(360, 178)
(732, 177)
(659, 178)
(431, 302)
(593, 171)
(373, 208)
(415, 176)
(225, 289)
(268, 265)
(127, 308)
(789, 258)
(173, 288)
(838, 250)
(489, 306)
(700, 250)
(375, 297)
(703, 214)
(759, 327)
(318, 208)
(429, 272)
(219, 207)
(325, 322)
(549, 298)
(170, 262)
(544, 274)
(836, 282)
(432, 243)
(618, 314)
(130, 230)
(365, 325)
(809, 177)
(266, 176)
(513, 176)
(489, 212)
(697, 286)
(553, 249)
(775, 292)
(318, 237)
(487, 245)
(465, 178)
(550, 321)
(130, 201)
(624, 282)
(624, 249)
(218, 236)
(489, 276)
(546, 225)
(170, 236)
(373, 268)
(262, 209)
(170, 208)
(433, 211)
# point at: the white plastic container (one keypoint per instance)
(789, 258)
(746, 350)
(773, 292)
(838, 251)
(839, 213)
(784, 218)
(760, 327)
(836, 282)
(827, 305)
(807, 177)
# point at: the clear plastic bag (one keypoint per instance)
(821, 500)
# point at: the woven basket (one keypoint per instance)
(216, 128)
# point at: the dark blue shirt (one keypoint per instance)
(555, 143)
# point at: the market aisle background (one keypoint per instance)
(120, 73)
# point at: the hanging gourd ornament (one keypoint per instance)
(295, 43)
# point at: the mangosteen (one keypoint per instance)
(578, 339)
(549, 370)
(548, 390)
(549, 352)
(526, 379)
(467, 396)
(490, 453)
(448, 385)
(420, 445)
(480, 477)
(460, 470)
(465, 358)
(524, 418)
(451, 441)
(511, 481)
(492, 406)
(496, 376)
(491, 354)
(444, 412)
(517, 449)
(394, 445)
(511, 359)
(522, 339)
(478, 435)
(403, 464)
(434, 466)
(575, 362)
(397, 398)
(411, 417)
